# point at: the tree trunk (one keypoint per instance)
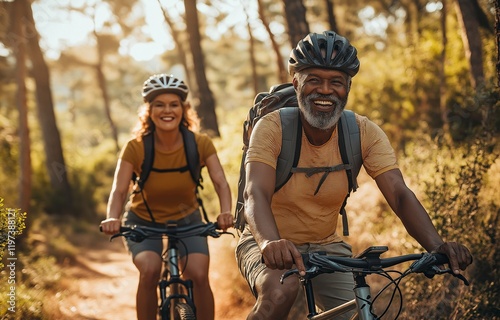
(466, 12)
(332, 22)
(423, 108)
(282, 72)
(251, 52)
(19, 49)
(55, 163)
(179, 46)
(101, 80)
(206, 107)
(497, 28)
(295, 13)
(442, 74)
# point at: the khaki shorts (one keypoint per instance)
(196, 244)
(330, 290)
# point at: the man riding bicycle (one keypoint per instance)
(302, 215)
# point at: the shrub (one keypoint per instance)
(460, 186)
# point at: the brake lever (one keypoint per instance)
(432, 271)
(133, 235)
(214, 233)
(424, 264)
(287, 274)
(116, 235)
(226, 232)
(309, 272)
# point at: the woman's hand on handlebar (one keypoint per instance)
(458, 255)
(225, 221)
(110, 226)
(282, 254)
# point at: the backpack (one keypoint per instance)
(283, 97)
(193, 165)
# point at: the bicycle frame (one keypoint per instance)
(368, 262)
(361, 303)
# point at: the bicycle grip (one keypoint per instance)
(440, 258)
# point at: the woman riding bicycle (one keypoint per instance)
(169, 194)
(302, 215)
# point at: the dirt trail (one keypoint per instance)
(101, 285)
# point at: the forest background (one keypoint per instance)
(70, 80)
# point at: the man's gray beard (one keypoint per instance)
(319, 119)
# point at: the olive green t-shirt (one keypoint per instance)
(169, 195)
(301, 216)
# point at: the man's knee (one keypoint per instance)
(274, 299)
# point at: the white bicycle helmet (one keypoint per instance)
(163, 83)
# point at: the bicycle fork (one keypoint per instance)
(175, 284)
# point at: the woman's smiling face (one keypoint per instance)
(166, 111)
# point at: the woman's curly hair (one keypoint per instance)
(145, 125)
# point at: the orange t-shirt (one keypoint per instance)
(301, 216)
(169, 195)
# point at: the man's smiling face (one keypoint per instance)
(322, 95)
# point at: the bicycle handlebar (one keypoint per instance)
(139, 233)
(427, 263)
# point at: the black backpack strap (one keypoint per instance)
(147, 164)
(193, 161)
(146, 167)
(239, 222)
(291, 128)
(192, 156)
(351, 141)
(325, 170)
(350, 151)
(291, 141)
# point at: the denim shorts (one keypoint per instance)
(195, 244)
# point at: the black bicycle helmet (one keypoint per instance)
(163, 83)
(327, 50)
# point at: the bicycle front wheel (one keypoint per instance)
(184, 312)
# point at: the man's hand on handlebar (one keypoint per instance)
(282, 254)
(458, 255)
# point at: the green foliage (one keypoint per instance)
(12, 224)
(459, 182)
(18, 300)
(37, 271)
(29, 304)
(9, 169)
(90, 176)
(229, 148)
(91, 181)
(9, 141)
(470, 111)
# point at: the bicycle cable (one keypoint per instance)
(392, 281)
